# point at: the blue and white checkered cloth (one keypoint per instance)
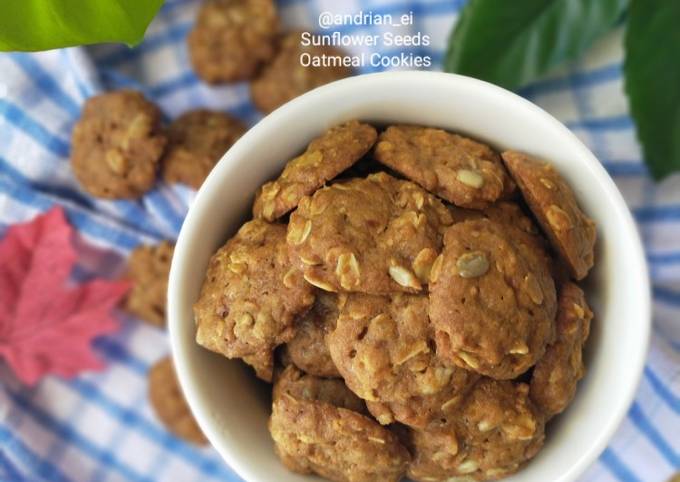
(99, 427)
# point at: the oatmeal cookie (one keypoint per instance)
(513, 217)
(326, 157)
(263, 364)
(148, 269)
(307, 350)
(168, 402)
(552, 201)
(232, 39)
(196, 141)
(460, 170)
(316, 430)
(508, 213)
(553, 383)
(492, 300)
(116, 145)
(382, 347)
(302, 386)
(376, 235)
(435, 453)
(496, 430)
(499, 428)
(251, 294)
(286, 78)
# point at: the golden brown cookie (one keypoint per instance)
(286, 77)
(116, 145)
(383, 349)
(325, 157)
(513, 217)
(374, 235)
(460, 170)
(263, 364)
(553, 383)
(196, 141)
(307, 350)
(252, 294)
(232, 39)
(435, 454)
(148, 268)
(168, 402)
(506, 212)
(500, 428)
(316, 430)
(552, 201)
(303, 386)
(496, 430)
(492, 299)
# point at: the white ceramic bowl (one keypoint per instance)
(232, 407)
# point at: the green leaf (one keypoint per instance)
(30, 25)
(512, 42)
(652, 80)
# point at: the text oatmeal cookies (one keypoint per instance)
(383, 348)
(374, 235)
(149, 268)
(251, 294)
(552, 201)
(286, 77)
(492, 300)
(117, 144)
(325, 157)
(232, 39)
(553, 383)
(196, 141)
(460, 170)
(320, 429)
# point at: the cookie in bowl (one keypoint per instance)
(409, 328)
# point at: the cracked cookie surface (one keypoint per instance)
(318, 427)
(492, 300)
(116, 145)
(552, 201)
(383, 348)
(251, 294)
(149, 268)
(196, 141)
(555, 376)
(374, 235)
(326, 156)
(462, 171)
(231, 39)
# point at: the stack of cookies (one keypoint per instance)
(412, 296)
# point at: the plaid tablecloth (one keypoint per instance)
(99, 427)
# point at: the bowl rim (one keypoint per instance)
(231, 158)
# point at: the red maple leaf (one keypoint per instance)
(46, 326)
